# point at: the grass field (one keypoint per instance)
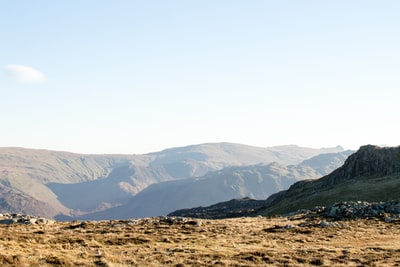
(280, 241)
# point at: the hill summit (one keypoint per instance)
(370, 174)
(368, 161)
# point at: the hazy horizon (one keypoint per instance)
(132, 77)
(189, 145)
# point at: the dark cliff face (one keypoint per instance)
(373, 161)
(368, 161)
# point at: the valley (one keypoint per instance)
(68, 186)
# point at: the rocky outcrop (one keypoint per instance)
(361, 209)
(368, 161)
(16, 218)
(354, 210)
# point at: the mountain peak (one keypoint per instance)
(368, 161)
(371, 160)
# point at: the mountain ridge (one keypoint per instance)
(61, 179)
(254, 181)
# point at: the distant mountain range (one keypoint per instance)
(370, 174)
(254, 181)
(67, 185)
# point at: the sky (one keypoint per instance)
(133, 77)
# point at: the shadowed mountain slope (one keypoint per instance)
(11, 201)
(256, 181)
(29, 170)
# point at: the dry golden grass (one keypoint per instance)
(229, 242)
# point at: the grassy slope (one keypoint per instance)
(313, 193)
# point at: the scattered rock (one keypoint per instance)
(324, 223)
(14, 218)
(389, 219)
(388, 211)
(357, 209)
(288, 226)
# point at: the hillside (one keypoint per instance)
(29, 171)
(371, 174)
(11, 200)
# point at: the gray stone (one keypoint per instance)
(7, 221)
(388, 219)
(325, 224)
(332, 211)
(288, 226)
(31, 221)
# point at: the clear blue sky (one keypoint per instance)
(131, 76)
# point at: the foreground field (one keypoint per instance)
(282, 241)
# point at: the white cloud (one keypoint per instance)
(25, 74)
